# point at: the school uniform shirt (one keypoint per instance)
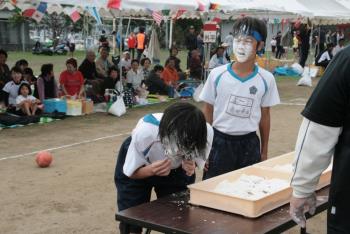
(324, 57)
(72, 82)
(146, 148)
(134, 78)
(325, 132)
(21, 98)
(12, 89)
(237, 102)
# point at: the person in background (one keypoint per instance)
(200, 44)
(71, 44)
(273, 44)
(218, 59)
(169, 75)
(162, 153)
(304, 34)
(229, 41)
(132, 44)
(134, 77)
(196, 67)
(339, 47)
(25, 101)
(154, 82)
(103, 42)
(173, 52)
(125, 63)
(145, 67)
(191, 43)
(28, 75)
(113, 80)
(141, 41)
(88, 69)
(10, 90)
(22, 64)
(71, 80)
(46, 85)
(325, 57)
(329, 37)
(279, 46)
(5, 74)
(295, 44)
(103, 63)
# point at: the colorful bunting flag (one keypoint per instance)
(114, 4)
(94, 13)
(73, 14)
(201, 5)
(36, 13)
(157, 16)
(179, 13)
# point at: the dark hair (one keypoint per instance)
(29, 71)
(187, 124)
(330, 45)
(135, 61)
(46, 69)
(113, 68)
(73, 62)
(247, 25)
(158, 68)
(16, 70)
(341, 39)
(144, 60)
(3, 52)
(173, 48)
(27, 85)
(21, 62)
(142, 30)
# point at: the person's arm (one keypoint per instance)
(264, 127)
(208, 112)
(82, 87)
(41, 88)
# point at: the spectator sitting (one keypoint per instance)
(339, 47)
(71, 80)
(22, 64)
(134, 77)
(46, 86)
(325, 57)
(154, 83)
(169, 74)
(125, 63)
(103, 41)
(103, 63)
(88, 69)
(145, 67)
(195, 65)
(25, 101)
(28, 75)
(5, 75)
(10, 90)
(113, 80)
(173, 53)
(218, 59)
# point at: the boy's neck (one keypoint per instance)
(243, 69)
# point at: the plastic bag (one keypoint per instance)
(118, 107)
(197, 92)
(305, 81)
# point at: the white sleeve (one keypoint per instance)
(208, 93)
(271, 97)
(134, 157)
(129, 77)
(313, 153)
(32, 98)
(212, 62)
(7, 87)
(210, 135)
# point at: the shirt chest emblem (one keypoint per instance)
(253, 90)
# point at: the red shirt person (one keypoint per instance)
(71, 80)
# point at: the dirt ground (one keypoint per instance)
(77, 194)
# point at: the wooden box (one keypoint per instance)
(273, 163)
(203, 194)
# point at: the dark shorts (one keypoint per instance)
(229, 153)
(71, 47)
(132, 192)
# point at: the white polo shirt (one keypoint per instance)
(146, 148)
(12, 89)
(135, 78)
(237, 102)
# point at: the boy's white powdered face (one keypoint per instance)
(243, 47)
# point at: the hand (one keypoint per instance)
(298, 207)
(161, 168)
(206, 166)
(189, 167)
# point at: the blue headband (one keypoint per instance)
(256, 35)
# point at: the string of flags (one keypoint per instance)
(157, 16)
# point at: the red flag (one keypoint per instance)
(217, 20)
(29, 12)
(201, 6)
(179, 13)
(115, 4)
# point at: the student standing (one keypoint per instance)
(237, 100)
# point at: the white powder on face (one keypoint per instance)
(242, 49)
(251, 187)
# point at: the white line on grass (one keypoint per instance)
(292, 104)
(65, 146)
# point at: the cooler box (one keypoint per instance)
(55, 105)
(88, 107)
(74, 107)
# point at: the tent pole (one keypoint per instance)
(23, 38)
(114, 35)
(128, 28)
(166, 32)
(171, 33)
